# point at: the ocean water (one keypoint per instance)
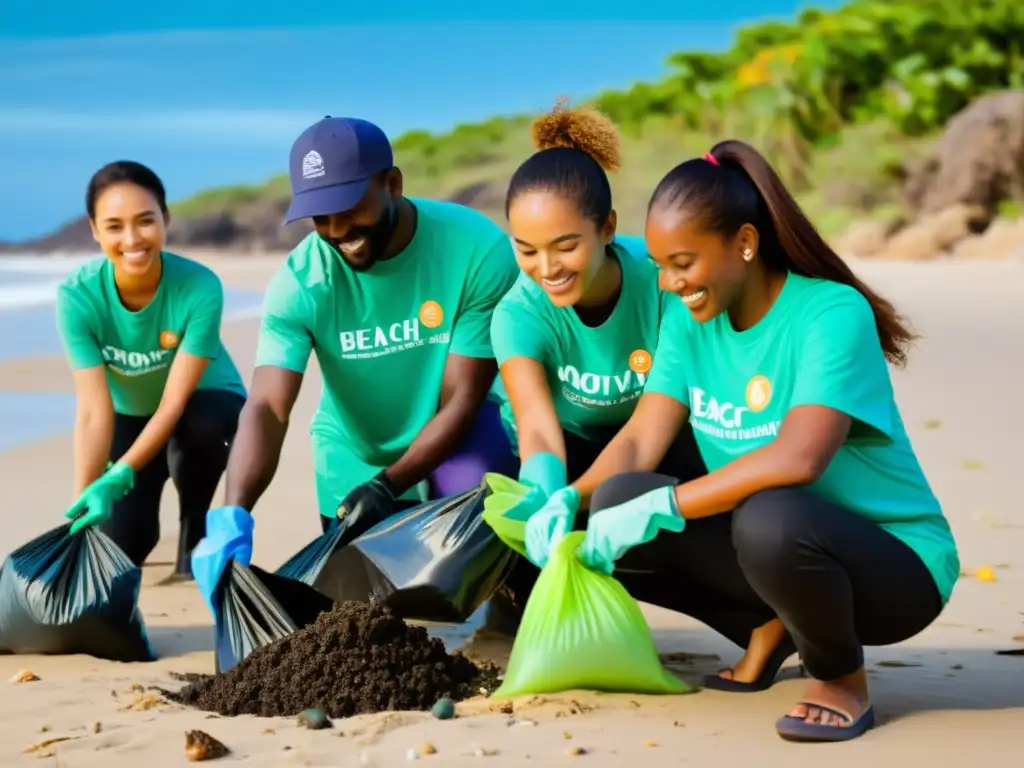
(28, 328)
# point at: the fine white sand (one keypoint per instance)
(943, 696)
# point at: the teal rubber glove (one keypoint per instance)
(545, 471)
(613, 531)
(546, 527)
(97, 500)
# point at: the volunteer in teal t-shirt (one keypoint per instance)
(575, 336)
(815, 531)
(157, 393)
(395, 296)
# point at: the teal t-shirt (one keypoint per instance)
(596, 375)
(138, 347)
(382, 337)
(817, 345)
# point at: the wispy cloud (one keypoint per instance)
(233, 127)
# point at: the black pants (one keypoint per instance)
(837, 581)
(682, 459)
(194, 457)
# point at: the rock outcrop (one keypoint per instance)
(954, 194)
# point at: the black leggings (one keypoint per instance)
(836, 580)
(682, 459)
(194, 457)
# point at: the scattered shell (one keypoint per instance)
(484, 752)
(985, 573)
(649, 743)
(411, 754)
(426, 748)
(145, 701)
(41, 747)
(45, 729)
(269, 731)
(575, 751)
(314, 719)
(525, 721)
(932, 424)
(199, 745)
(96, 727)
(25, 676)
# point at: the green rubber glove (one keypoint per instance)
(545, 471)
(612, 532)
(97, 500)
(546, 527)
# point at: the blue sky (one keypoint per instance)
(214, 93)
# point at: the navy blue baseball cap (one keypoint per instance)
(331, 165)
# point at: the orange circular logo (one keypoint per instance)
(168, 339)
(759, 393)
(431, 314)
(640, 361)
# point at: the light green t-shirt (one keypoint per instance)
(382, 337)
(817, 345)
(138, 347)
(596, 375)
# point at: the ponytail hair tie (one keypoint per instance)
(710, 158)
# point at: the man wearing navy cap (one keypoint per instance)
(395, 296)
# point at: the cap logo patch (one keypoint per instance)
(312, 165)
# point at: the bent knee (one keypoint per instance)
(769, 524)
(626, 486)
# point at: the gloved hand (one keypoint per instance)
(97, 500)
(228, 537)
(546, 527)
(544, 471)
(612, 532)
(367, 504)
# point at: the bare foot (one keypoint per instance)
(763, 641)
(848, 695)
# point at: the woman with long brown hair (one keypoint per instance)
(815, 530)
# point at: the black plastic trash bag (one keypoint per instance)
(438, 561)
(256, 608)
(64, 594)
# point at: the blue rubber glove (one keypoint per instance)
(228, 537)
(545, 471)
(97, 500)
(550, 523)
(612, 532)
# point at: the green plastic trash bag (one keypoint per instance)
(580, 629)
(506, 510)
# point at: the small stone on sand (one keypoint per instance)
(314, 719)
(649, 743)
(575, 751)
(443, 709)
(426, 748)
(25, 676)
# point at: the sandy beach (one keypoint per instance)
(944, 696)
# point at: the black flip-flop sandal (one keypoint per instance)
(793, 728)
(764, 681)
